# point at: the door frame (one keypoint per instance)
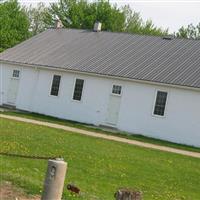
(12, 77)
(117, 96)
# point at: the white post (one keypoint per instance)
(55, 178)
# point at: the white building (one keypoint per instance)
(140, 84)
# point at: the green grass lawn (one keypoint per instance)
(100, 130)
(99, 167)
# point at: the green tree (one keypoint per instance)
(191, 32)
(36, 17)
(135, 24)
(14, 24)
(82, 15)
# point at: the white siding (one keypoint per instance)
(1, 84)
(180, 124)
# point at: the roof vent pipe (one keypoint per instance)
(97, 27)
(58, 24)
(168, 37)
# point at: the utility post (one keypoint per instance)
(54, 181)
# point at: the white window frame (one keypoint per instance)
(55, 74)
(119, 95)
(74, 84)
(166, 105)
(13, 77)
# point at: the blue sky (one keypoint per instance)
(165, 13)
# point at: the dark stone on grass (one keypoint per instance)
(128, 194)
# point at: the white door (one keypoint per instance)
(113, 109)
(12, 91)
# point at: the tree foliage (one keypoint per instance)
(36, 16)
(17, 23)
(82, 15)
(135, 24)
(191, 32)
(14, 24)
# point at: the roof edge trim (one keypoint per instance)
(103, 75)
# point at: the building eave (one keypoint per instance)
(102, 75)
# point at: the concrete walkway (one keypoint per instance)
(104, 136)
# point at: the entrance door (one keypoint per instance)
(113, 109)
(12, 91)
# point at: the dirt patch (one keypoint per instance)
(9, 192)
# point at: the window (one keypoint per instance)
(160, 104)
(117, 89)
(15, 73)
(78, 89)
(55, 85)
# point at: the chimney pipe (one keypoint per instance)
(58, 24)
(97, 27)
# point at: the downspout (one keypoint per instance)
(32, 101)
(1, 84)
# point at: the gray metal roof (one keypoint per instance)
(148, 58)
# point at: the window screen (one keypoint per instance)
(78, 89)
(15, 73)
(117, 89)
(55, 85)
(160, 103)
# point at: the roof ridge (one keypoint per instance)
(114, 54)
(127, 33)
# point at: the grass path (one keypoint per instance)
(107, 137)
(97, 166)
(96, 129)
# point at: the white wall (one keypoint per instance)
(1, 84)
(181, 123)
